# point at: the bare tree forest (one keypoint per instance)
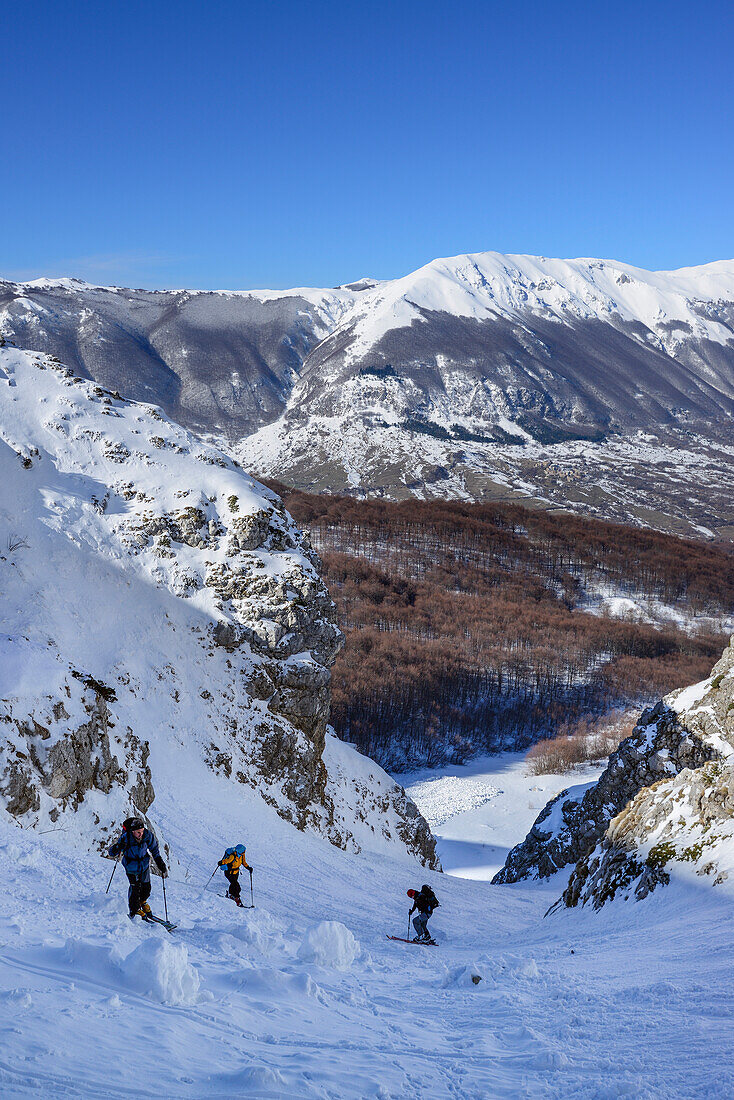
(465, 623)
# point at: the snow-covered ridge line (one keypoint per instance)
(716, 275)
(482, 283)
(161, 612)
(476, 377)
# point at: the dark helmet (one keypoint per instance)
(134, 823)
(411, 893)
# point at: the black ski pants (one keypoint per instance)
(234, 883)
(138, 892)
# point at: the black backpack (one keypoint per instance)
(430, 897)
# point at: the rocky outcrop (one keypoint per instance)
(666, 797)
(52, 756)
(677, 824)
(175, 601)
(684, 821)
(572, 823)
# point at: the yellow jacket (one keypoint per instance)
(233, 862)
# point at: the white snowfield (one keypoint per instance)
(304, 996)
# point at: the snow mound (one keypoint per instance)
(34, 860)
(462, 977)
(255, 1081)
(162, 971)
(268, 985)
(331, 944)
(16, 999)
(257, 930)
(520, 966)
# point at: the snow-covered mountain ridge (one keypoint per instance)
(162, 617)
(588, 383)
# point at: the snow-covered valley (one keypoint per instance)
(478, 810)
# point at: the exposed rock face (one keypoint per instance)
(684, 820)
(677, 823)
(51, 758)
(568, 827)
(666, 796)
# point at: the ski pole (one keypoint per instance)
(409, 912)
(209, 879)
(165, 903)
(252, 896)
(112, 875)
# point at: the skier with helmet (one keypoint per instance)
(136, 845)
(425, 901)
(231, 862)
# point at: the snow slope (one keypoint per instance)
(305, 997)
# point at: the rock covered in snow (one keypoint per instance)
(665, 796)
(158, 600)
(571, 824)
(683, 822)
(54, 752)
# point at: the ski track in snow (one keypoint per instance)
(272, 1002)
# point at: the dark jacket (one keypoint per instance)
(135, 858)
(425, 901)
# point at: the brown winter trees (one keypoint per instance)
(481, 626)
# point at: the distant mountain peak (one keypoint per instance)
(453, 380)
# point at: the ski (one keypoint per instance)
(240, 906)
(149, 918)
(418, 943)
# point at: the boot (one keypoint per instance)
(146, 908)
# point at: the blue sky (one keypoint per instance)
(271, 144)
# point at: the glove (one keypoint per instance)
(162, 867)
